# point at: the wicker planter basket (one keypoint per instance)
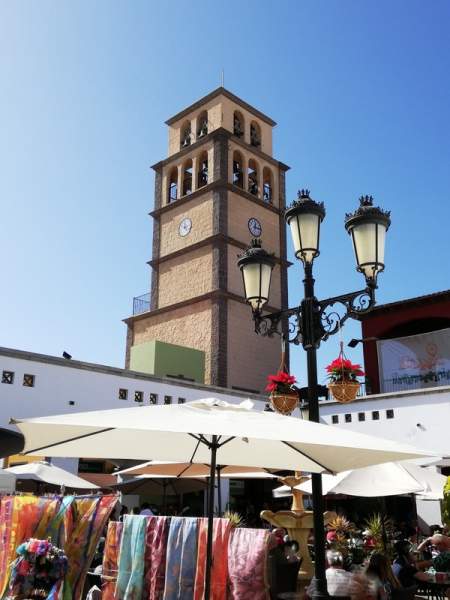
(284, 403)
(344, 391)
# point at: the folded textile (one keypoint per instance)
(181, 559)
(219, 571)
(155, 557)
(247, 564)
(130, 578)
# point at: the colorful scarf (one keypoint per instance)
(90, 516)
(111, 560)
(219, 571)
(155, 557)
(130, 579)
(19, 518)
(247, 560)
(181, 559)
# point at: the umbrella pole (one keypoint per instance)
(164, 497)
(212, 473)
(219, 491)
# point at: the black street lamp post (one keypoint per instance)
(315, 320)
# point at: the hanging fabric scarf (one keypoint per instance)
(155, 557)
(130, 578)
(90, 515)
(111, 560)
(219, 571)
(247, 563)
(181, 559)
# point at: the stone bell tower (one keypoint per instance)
(218, 188)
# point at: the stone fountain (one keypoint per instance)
(298, 522)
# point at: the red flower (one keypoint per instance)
(342, 368)
(281, 379)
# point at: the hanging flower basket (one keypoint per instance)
(284, 403)
(344, 391)
(283, 397)
(343, 383)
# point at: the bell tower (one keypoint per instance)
(218, 188)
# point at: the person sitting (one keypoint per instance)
(404, 568)
(382, 583)
(339, 581)
(441, 543)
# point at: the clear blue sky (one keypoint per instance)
(360, 91)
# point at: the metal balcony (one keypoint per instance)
(141, 304)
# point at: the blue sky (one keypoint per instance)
(361, 94)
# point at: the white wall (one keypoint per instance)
(63, 388)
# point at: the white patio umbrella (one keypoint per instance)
(46, 473)
(213, 432)
(167, 468)
(387, 479)
(7, 482)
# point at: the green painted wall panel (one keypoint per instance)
(168, 360)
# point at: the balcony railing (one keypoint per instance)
(141, 304)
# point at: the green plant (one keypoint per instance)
(446, 503)
(343, 528)
(236, 520)
(377, 526)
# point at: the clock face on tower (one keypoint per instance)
(254, 227)
(185, 227)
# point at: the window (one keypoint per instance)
(255, 134)
(28, 380)
(173, 185)
(153, 398)
(390, 413)
(8, 377)
(167, 399)
(252, 177)
(335, 419)
(181, 400)
(138, 396)
(375, 415)
(123, 394)
(361, 416)
(187, 177)
(238, 124)
(238, 172)
(202, 178)
(348, 418)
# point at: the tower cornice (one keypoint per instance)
(209, 241)
(214, 295)
(221, 91)
(220, 131)
(215, 185)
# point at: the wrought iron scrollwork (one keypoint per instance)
(329, 315)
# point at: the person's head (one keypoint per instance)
(335, 559)
(379, 566)
(435, 529)
(124, 510)
(441, 542)
(402, 549)
(136, 510)
(145, 506)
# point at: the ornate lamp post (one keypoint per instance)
(313, 321)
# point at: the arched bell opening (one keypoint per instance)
(267, 185)
(252, 177)
(202, 178)
(202, 124)
(187, 177)
(255, 134)
(238, 169)
(173, 185)
(185, 135)
(238, 124)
